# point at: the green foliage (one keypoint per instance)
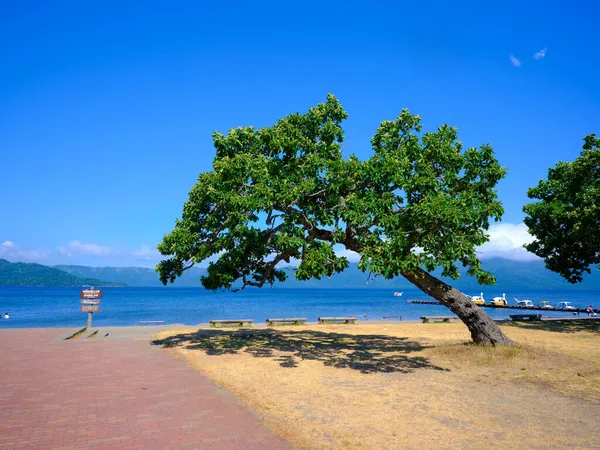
(93, 335)
(24, 274)
(566, 218)
(286, 192)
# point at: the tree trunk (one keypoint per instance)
(483, 329)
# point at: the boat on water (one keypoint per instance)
(567, 306)
(544, 304)
(397, 294)
(478, 299)
(524, 303)
(499, 301)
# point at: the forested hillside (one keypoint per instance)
(25, 274)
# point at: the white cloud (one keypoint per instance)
(506, 241)
(78, 248)
(353, 257)
(515, 61)
(540, 54)
(76, 252)
(13, 252)
(147, 253)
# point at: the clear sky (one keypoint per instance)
(107, 108)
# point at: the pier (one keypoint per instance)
(534, 308)
(424, 302)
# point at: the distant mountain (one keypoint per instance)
(133, 276)
(516, 275)
(24, 274)
(510, 275)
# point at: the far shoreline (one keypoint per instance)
(203, 325)
(264, 326)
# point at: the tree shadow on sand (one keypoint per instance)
(365, 353)
(560, 326)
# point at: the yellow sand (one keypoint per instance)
(409, 385)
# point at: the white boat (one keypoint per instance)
(478, 299)
(524, 303)
(544, 304)
(397, 294)
(565, 305)
(499, 301)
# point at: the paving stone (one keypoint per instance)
(114, 393)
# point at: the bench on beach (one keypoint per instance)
(337, 319)
(231, 323)
(524, 317)
(152, 322)
(292, 321)
(392, 317)
(427, 319)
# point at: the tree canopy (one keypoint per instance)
(565, 218)
(286, 192)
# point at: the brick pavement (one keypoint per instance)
(114, 393)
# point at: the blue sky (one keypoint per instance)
(107, 108)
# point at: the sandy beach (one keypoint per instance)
(408, 385)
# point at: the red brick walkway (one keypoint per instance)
(114, 393)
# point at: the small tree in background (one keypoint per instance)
(286, 193)
(565, 219)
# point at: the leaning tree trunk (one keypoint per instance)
(483, 329)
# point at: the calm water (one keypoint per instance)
(59, 307)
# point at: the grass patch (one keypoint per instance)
(560, 326)
(169, 343)
(479, 355)
(76, 334)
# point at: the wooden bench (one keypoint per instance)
(392, 317)
(152, 322)
(337, 319)
(524, 317)
(427, 319)
(293, 321)
(231, 323)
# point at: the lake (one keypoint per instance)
(59, 307)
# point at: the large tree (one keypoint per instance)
(285, 193)
(565, 218)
